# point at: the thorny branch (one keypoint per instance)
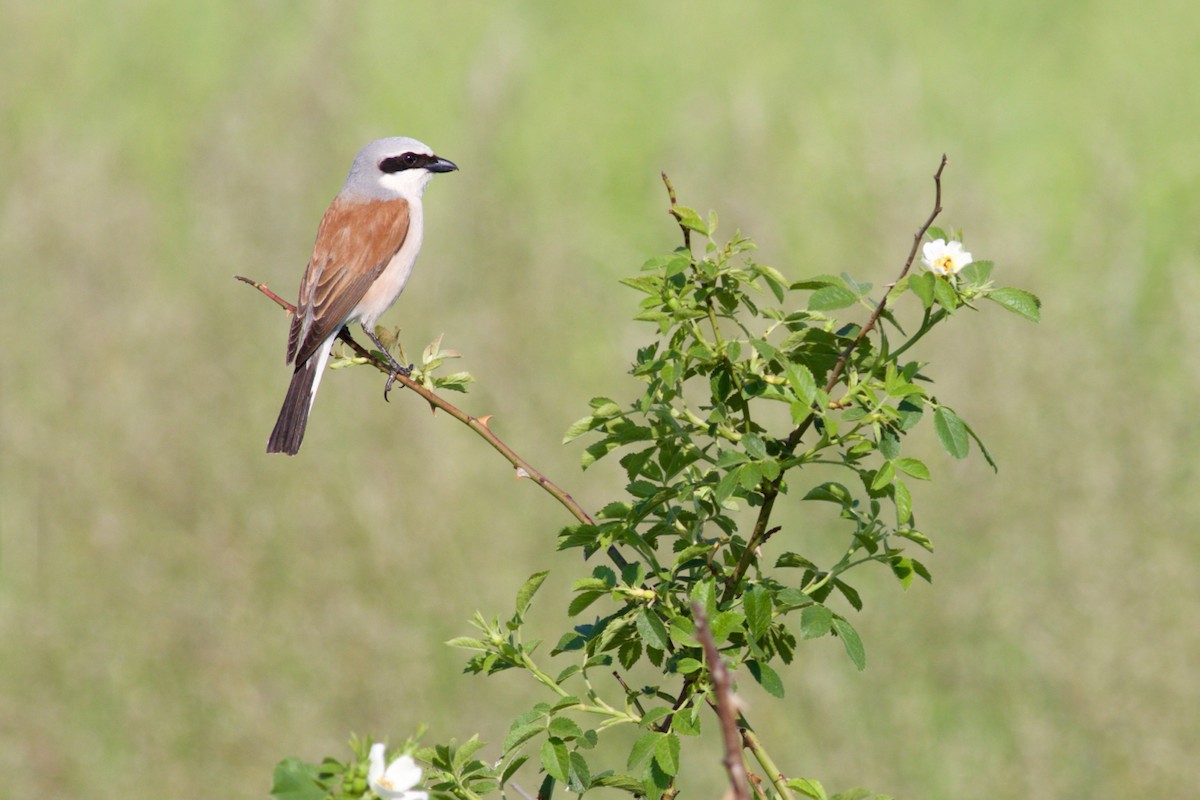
(478, 424)
(771, 488)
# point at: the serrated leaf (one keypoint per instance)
(951, 432)
(564, 728)
(883, 476)
(766, 677)
(913, 467)
(757, 605)
(511, 768)
(581, 777)
(626, 783)
(831, 298)
(808, 787)
(903, 501)
(922, 287)
(754, 446)
(642, 748)
(688, 218)
(666, 754)
(652, 630)
(582, 601)
(800, 378)
(653, 715)
(556, 760)
(815, 621)
(683, 632)
(463, 754)
(581, 426)
(851, 641)
(686, 666)
(467, 643)
(296, 780)
(977, 272)
(724, 623)
(655, 781)
(944, 293)
(528, 590)
(1018, 301)
(521, 734)
(629, 653)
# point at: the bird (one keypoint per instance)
(366, 246)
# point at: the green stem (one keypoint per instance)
(764, 758)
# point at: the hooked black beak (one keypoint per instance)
(442, 165)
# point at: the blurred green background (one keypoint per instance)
(179, 611)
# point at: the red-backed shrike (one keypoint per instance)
(366, 246)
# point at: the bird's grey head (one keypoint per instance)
(394, 167)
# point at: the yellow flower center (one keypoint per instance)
(944, 265)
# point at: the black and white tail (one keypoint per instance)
(293, 417)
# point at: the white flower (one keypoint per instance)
(944, 258)
(397, 779)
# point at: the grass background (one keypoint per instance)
(178, 611)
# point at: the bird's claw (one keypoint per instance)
(405, 371)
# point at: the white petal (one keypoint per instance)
(929, 252)
(403, 774)
(375, 769)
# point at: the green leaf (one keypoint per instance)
(934, 233)
(977, 272)
(818, 282)
(511, 768)
(724, 623)
(581, 426)
(296, 780)
(464, 753)
(922, 286)
(652, 630)
(809, 787)
(688, 218)
(754, 445)
(800, 378)
(815, 621)
(903, 501)
(467, 643)
(757, 605)
(527, 591)
(629, 653)
(884, 476)
(655, 781)
(944, 293)
(582, 601)
(521, 734)
(831, 492)
(556, 760)
(1017, 301)
(766, 677)
(653, 715)
(851, 641)
(686, 666)
(626, 783)
(951, 432)
(666, 754)
(564, 728)
(914, 467)
(831, 298)
(642, 748)
(683, 632)
(581, 777)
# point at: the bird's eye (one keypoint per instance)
(402, 162)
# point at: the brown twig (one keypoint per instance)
(771, 489)
(478, 424)
(739, 783)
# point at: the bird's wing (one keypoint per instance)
(355, 242)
